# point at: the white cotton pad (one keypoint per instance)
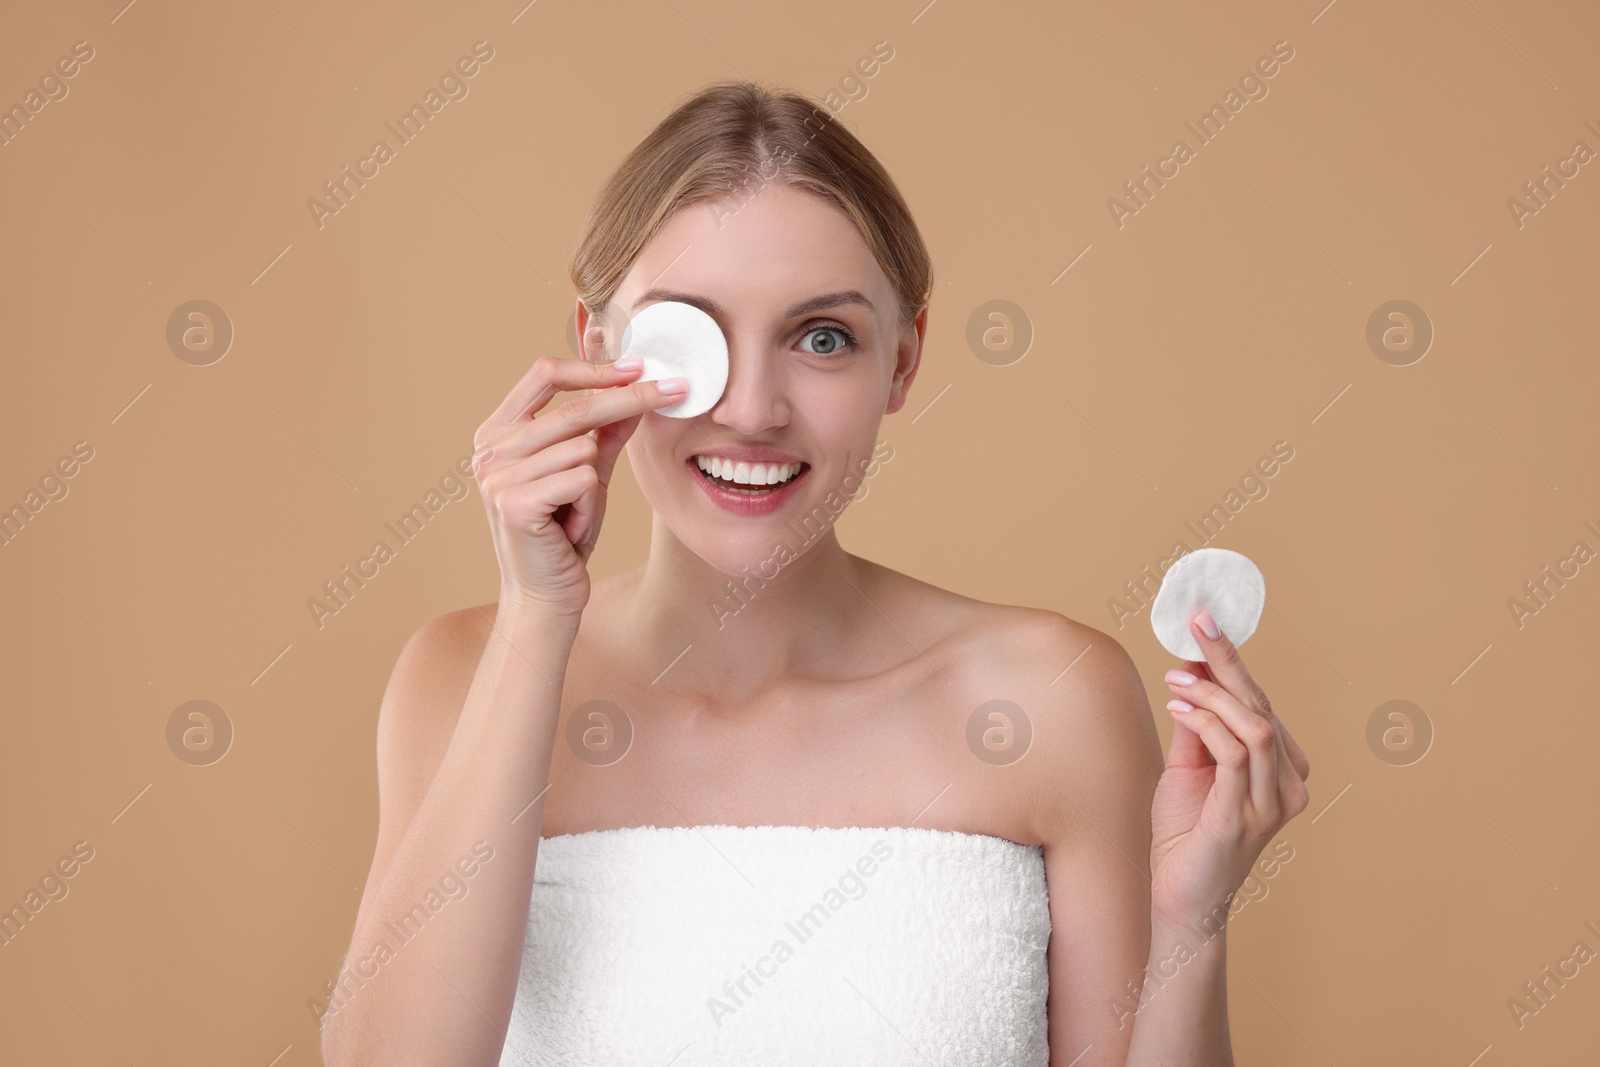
(679, 340)
(1217, 580)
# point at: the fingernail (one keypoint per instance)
(1177, 677)
(1179, 705)
(1209, 625)
(674, 385)
(627, 363)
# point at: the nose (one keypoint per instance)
(755, 399)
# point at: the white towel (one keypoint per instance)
(783, 945)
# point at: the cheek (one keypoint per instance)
(840, 430)
(843, 408)
(651, 448)
(844, 387)
(640, 457)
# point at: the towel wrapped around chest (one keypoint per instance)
(783, 945)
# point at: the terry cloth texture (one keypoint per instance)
(783, 945)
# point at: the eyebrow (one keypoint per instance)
(804, 307)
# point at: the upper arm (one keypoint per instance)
(416, 721)
(1091, 789)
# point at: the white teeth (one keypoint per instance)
(747, 473)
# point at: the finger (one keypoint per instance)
(583, 515)
(532, 506)
(1254, 732)
(1186, 749)
(548, 376)
(578, 415)
(1287, 761)
(1297, 756)
(574, 451)
(577, 518)
(612, 437)
(1226, 667)
(1290, 754)
(604, 407)
(1231, 788)
(583, 522)
(599, 448)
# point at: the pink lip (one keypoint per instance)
(740, 503)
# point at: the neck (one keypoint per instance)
(743, 639)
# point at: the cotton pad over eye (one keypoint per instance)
(1217, 580)
(679, 340)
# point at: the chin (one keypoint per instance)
(748, 536)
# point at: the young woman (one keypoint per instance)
(758, 799)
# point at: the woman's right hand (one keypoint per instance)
(544, 478)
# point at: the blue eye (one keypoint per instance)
(829, 346)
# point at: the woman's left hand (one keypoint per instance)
(1234, 777)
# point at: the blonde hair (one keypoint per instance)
(728, 140)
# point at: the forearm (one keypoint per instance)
(1182, 1020)
(391, 1004)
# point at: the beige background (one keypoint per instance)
(1230, 313)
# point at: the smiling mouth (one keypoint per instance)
(725, 479)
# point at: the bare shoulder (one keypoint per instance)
(1012, 646)
(1070, 675)
(1070, 699)
(1094, 752)
(1082, 789)
(438, 660)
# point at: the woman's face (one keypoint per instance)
(815, 359)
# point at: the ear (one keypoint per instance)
(580, 321)
(908, 358)
(595, 342)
